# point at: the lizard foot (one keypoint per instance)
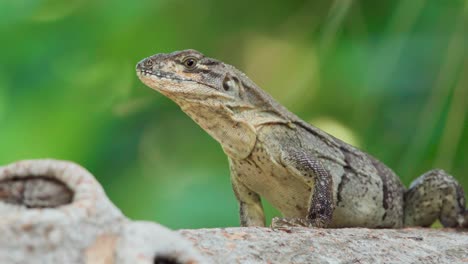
(279, 223)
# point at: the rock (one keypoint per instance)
(56, 212)
(346, 245)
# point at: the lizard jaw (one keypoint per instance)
(143, 74)
(174, 86)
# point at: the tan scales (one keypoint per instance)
(311, 177)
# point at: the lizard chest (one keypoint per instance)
(263, 174)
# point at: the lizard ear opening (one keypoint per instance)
(231, 83)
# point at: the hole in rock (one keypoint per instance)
(35, 192)
(165, 260)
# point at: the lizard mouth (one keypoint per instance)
(146, 75)
(160, 75)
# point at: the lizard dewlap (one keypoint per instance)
(311, 177)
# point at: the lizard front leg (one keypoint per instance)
(310, 169)
(435, 195)
(250, 205)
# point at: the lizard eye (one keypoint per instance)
(190, 62)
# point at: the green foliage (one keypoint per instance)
(391, 76)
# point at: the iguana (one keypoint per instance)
(311, 177)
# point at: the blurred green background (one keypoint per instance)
(390, 77)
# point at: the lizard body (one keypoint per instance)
(311, 177)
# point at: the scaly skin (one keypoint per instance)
(313, 178)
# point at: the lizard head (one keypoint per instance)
(220, 98)
(189, 77)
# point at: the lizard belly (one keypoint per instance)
(361, 199)
(263, 175)
(358, 202)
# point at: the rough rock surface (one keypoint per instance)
(347, 245)
(56, 212)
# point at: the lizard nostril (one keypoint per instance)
(148, 63)
(144, 64)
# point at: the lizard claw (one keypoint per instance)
(282, 223)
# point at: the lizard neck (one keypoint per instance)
(237, 137)
(234, 124)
